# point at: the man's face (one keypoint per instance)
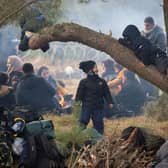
(148, 26)
(45, 74)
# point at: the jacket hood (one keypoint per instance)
(155, 30)
(131, 32)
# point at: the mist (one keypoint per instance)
(99, 15)
(108, 15)
(111, 14)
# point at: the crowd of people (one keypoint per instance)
(118, 92)
(20, 85)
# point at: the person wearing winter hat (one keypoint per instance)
(91, 92)
(154, 33)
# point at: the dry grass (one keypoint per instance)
(113, 127)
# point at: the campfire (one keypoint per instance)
(61, 99)
(65, 102)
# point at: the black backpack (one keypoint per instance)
(43, 153)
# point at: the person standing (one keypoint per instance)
(154, 33)
(91, 92)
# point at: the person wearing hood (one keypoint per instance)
(14, 70)
(132, 96)
(91, 92)
(145, 51)
(154, 33)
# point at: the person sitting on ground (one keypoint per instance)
(91, 92)
(14, 65)
(31, 21)
(143, 49)
(132, 96)
(6, 92)
(154, 33)
(35, 91)
(44, 73)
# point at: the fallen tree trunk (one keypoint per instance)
(74, 32)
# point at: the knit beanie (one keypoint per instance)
(86, 66)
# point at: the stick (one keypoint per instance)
(16, 11)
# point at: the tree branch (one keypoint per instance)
(74, 32)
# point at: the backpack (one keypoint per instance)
(51, 154)
(40, 127)
(6, 159)
(42, 153)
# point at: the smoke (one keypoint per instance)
(104, 16)
(99, 15)
(8, 43)
(112, 14)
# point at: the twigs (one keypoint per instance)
(16, 11)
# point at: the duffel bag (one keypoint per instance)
(36, 128)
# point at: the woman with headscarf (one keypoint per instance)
(91, 92)
(14, 65)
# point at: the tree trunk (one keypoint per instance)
(165, 9)
(74, 32)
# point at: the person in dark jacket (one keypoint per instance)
(143, 49)
(7, 98)
(34, 91)
(154, 33)
(44, 73)
(91, 92)
(132, 96)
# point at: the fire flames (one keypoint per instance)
(116, 84)
(61, 99)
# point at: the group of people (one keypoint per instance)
(21, 86)
(126, 90)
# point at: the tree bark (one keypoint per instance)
(74, 32)
(165, 9)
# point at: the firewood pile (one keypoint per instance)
(110, 153)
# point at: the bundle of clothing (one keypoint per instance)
(145, 51)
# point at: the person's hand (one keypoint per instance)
(28, 34)
(111, 106)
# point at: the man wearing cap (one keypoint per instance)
(91, 92)
(154, 33)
